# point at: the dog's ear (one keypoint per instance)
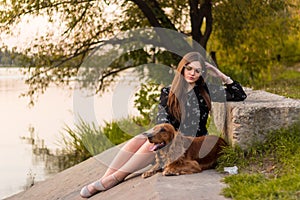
(162, 129)
(148, 132)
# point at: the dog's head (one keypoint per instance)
(161, 135)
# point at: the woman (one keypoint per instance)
(185, 105)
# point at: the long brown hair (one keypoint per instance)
(179, 87)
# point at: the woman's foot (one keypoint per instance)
(97, 186)
(91, 189)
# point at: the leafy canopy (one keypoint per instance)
(244, 32)
(89, 24)
(254, 37)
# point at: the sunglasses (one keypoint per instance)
(189, 68)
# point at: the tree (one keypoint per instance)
(88, 24)
(254, 34)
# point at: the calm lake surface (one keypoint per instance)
(44, 122)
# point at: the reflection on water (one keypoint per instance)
(19, 166)
(53, 161)
(29, 136)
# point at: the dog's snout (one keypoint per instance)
(148, 135)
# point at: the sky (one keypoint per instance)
(34, 26)
(29, 28)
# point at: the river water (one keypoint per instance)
(44, 122)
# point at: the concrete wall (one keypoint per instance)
(244, 122)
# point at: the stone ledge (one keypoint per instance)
(66, 185)
(244, 122)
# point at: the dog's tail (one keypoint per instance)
(223, 142)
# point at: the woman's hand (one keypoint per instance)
(214, 71)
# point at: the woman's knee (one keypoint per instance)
(135, 143)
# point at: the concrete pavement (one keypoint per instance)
(66, 185)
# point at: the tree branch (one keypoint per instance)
(160, 14)
(108, 74)
(148, 12)
(36, 8)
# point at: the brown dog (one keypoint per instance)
(177, 154)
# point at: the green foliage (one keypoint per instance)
(253, 38)
(83, 26)
(285, 82)
(114, 132)
(80, 143)
(211, 126)
(11, 59)
(268, 170)
(250, 22)
(249, 37)
(86, 140)
(257, 187)
(147, 100)
(231, 156)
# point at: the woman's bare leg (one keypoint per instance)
(125, 153)
(139, 160)
(135, 155)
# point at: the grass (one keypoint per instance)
(285, 82)
(85, 140)
(269, 170)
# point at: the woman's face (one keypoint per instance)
(192, 72)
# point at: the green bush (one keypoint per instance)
(86, 140)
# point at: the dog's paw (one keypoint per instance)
(148, 174)
(170, 173)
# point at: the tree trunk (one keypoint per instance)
(157, 18)
(172, 41)
(198, 14)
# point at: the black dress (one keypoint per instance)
(196, 110)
